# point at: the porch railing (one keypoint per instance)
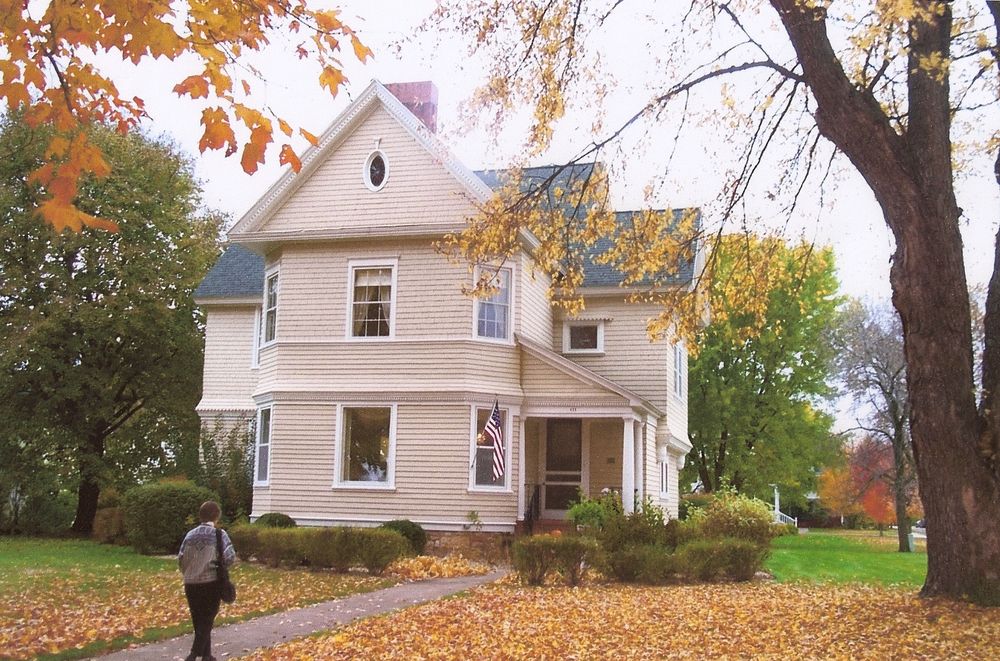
(781, 517)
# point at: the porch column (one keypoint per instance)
(520, 469)
(628, 465)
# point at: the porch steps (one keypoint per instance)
(544, 526)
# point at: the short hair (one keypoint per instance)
(209, 511)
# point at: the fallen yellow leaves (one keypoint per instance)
(426, 566)
(49, 615)
(760, 620)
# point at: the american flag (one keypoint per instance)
(494, 431)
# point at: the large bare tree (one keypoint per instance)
(885, 84)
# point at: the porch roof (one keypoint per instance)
(583, 375)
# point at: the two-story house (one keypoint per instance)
(335, 325)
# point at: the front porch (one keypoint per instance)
(573, 452)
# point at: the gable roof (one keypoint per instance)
(238, 274)
(338, 130)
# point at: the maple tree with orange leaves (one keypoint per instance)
(51, 74)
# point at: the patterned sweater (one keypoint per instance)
(198, 557)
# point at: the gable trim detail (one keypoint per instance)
(290, 181)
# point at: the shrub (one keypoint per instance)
(332, 548)
(741, 558)
(784, 529)
(593, 512)
(378, 548)
(571, 555)
(226, 465)
(275, 520)
(281, 546)
(644, 526)
(625, 562)
(656, 565)
(157, 516)
(711, 559)
(691, 502)
(109, 526)
(735, 515)
(533, 557)
(47, 513)
(411, 531)
(245, 540)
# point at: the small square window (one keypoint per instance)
(583, 337)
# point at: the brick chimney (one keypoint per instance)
(420, 98)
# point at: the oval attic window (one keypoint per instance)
(376, 171)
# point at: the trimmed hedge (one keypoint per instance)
(320, 548)
(414, 534)
(533, 557)
(157, 516)
(712, 559)
(275, 520)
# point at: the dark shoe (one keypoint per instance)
(191, 657)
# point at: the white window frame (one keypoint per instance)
(567, 324)
(270, 273)
(257, 331)
(352, 266)
(510, 308)
(366, 173)
(340, 446)
(680, 369)
(256, 445)
(508, 463)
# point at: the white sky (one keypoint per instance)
(851, 220)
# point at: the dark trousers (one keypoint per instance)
(203, 601)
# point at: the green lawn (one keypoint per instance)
(829, 557)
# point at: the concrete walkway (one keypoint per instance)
(243, 637)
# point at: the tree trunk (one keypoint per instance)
(89, 489)
(902, 519)
(911, 177)
(901, 480)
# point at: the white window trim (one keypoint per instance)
(680, 371)
(264, 342)
(663, 461)
(365, 173)
(567, 324)
(256, 446)
(509, 340)
(508, 464)
(340, 445)
(352, 266)
(258, 328)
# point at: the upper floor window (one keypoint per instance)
(680, 367)
(367, 438)
(373, 291)
(583, 337)
(270, 308)
(255, 356)
(262, 448)
(493, 312)
(376, 171)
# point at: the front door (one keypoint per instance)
(563, 466)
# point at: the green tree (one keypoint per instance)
(100, 342)
(758, 372)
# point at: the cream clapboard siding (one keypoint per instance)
(431, 476)
(677, 406)
(630, 358)
(228, 378)
(541, 380)
(315, 295)
(534, 308)
(605, 455)
(419, 190)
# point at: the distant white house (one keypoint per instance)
(337, 327)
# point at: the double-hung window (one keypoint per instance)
(270, 308)
(367, 446)
(583, 337)
(490, 471)
(262, 448)
(372, 297)
(493, 312)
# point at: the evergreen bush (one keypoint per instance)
(571, 556)
(245, 540)
(416, 535)
(157, 516)
(275, 520)
(331, 548)
(533, 557)
(278, 547)
(377, 548)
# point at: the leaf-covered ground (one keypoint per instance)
(57, 596)
(759, 620)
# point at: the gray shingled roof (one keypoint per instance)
(238, 273)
